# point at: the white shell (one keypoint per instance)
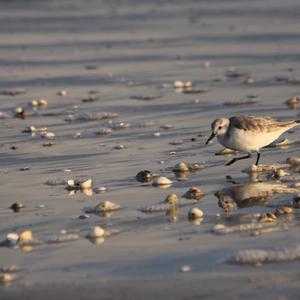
(181, 167)
(185, 269)
(96, 232)
(195, 213)
(19, 110)
(101, 189)
(178, 84)
(13, 238)
(162, 180)
(156, 134)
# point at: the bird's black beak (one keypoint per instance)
(210, 138)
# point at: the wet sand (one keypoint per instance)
(119, 52)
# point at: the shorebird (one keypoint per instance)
(248, 133)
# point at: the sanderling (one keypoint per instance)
(248, 133)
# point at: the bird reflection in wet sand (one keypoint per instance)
(251, 194)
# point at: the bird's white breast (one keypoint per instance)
(248, 140)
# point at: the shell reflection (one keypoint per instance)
(251, 194)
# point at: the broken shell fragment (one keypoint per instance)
(144, 176)
(194, 193)
(162, 181)
(106, 206)
(195, 213)
(267, 217)
(172, 199)
(25, 236)
(181, 167)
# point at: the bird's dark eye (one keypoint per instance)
(220, 127)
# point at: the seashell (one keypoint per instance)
(144, 176)
(194, 193)
(16, 207)
(248, 80)
(10, 269)
(176, 143)
(34, 103)
(156, 134)
(106, 206)
(12, 238)
(280, 173)
(63, 238)
(185, 269)
(77, 135)
(87, 191)
(166, 126)
(104, 131)
(62, 93)
(178, 84)
(84, 216)
(162, 180)
(195, 213)
(97, 240)
(71, 183)
(283, 210)
(181, 167)
(6, 278)
(293, 102)
(101, 189)
(188, 84)
(19, 110)
(47, 135)
(172, 199)
(293, 160)
(267, 218)
(119, 147)
(96, 232)
(25, 236)
(86, 184)
(20, 113)
(225, 151)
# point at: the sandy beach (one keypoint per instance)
(107, 70)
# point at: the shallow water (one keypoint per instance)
(118, 51)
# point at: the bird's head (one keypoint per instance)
(218, 127)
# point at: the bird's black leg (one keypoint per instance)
(238, 158)
(257, 158)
